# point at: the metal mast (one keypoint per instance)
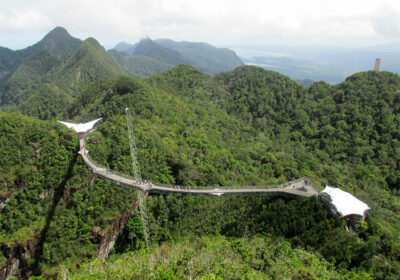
(138, 176)
(135, 163)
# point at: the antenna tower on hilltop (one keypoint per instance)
(377, 64)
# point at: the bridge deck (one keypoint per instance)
(302, 187)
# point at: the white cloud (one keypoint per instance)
(222, 22)
(14, 19)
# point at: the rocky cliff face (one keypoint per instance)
(110, 237)
(18, 256)
(17, 260)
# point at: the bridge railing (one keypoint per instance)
(108, 170)
(282, 185)
(180, 187)
(162, 185)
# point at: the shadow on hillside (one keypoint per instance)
(35, 268)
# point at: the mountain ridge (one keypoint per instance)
(52, 60)
(87, 64)
(205, 57)
(31, 65)
(148, 47)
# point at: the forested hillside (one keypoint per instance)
(25, 70)
(60, 85)
(53, 210)
(148, 47)
(137, 65)
(57, 42)
(244, 127)
(52, 73)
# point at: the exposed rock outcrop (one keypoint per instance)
(109, 238)
(17, 259)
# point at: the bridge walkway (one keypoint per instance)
(300, 187)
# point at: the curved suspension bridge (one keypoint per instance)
(300, 187)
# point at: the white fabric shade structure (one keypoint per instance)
(345, 203)
(80, 127)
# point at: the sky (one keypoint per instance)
(341, 23)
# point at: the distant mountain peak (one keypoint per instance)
(59, 42)
(57, 31)
(150, 48)
(58, 34)
(147, 38)
(89, 62)
(122, 46)
(93, 42)
(147, 41)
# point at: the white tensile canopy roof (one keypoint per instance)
(80, 127)
(345, 203)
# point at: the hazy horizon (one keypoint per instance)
(349, 24)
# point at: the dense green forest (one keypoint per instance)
(57, 210)
(244, 127)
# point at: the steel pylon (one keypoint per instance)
(138, 176)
